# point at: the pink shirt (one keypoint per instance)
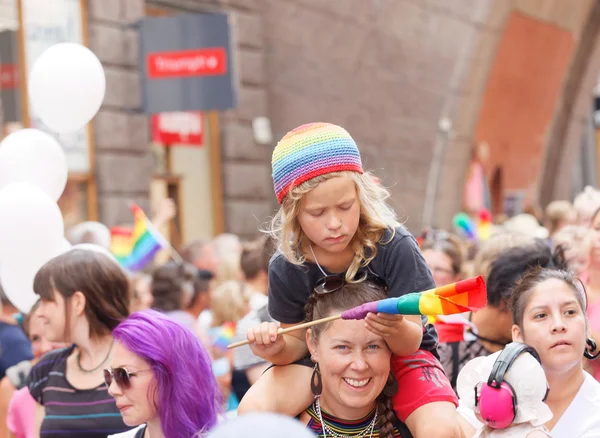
(21, 414)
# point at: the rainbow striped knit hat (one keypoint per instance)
(311, 150)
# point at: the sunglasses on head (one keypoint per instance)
(121, 376)
(334, 282)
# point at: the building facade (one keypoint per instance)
(420, 84)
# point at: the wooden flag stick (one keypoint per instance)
(291, 329)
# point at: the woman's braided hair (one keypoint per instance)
(349, 296)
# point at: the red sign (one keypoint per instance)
(9, 76)
(197, 62)
(178, 128)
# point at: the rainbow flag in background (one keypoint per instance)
(135, 248)
(463, 296)
(223, 335)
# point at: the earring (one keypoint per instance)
(316, 385)
(589, 352)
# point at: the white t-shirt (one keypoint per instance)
(258, 300)
(129, 434)
(580, 420)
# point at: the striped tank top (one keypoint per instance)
(71, 412)
(346, 427)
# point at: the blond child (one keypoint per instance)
(334, 226)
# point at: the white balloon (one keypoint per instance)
(261, 425)
(66, 86)
(34, 156)
(18, 286)
(30, 223)
(18, 273)
(66, 246)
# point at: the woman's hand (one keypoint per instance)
(264, 340)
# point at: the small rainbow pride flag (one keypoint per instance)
(223, 335)
(135, 248)
(463, 296)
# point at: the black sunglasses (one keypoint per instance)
(334, 282)
(121, 376)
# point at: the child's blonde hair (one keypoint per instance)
(229, 302)
(556, 213)
(376, 216)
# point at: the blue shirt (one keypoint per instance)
(14, 347)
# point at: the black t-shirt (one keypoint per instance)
(398, 261)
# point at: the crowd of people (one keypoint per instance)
(107, 352)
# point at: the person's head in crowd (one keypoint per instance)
(202, 293)
(228, 249)
(141, 285)
(230, 301)
(201, 253)
(491, 248)
(84, 294)
(254, 262)
(173, 286)
(559, 214)
(35, 329)
(346, 354)
(226, 244)
(594, 241)
(586, 203)
(261, 425)
(575, 242)
(443, 253)
(548, 312)
(90, 232)
(332, 205)
(526, 224)
(161, 376)
(494, 321)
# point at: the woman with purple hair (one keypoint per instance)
(161, 378)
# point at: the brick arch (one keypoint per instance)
(564, 140)
(559, 140)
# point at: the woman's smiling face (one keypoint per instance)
(354, 365)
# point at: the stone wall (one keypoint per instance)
(387, 70)
(123, 161)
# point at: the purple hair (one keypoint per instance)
(188, 396)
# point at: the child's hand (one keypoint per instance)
(384, 324)
(402, 333)
(264, 340)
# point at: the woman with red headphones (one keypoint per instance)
(548, 311)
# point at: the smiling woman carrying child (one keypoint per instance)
(335, 227)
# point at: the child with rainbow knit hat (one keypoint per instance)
(334, 225)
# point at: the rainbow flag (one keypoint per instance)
(484, 226)
(222, 336)
(463, 296)
(135, 248)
